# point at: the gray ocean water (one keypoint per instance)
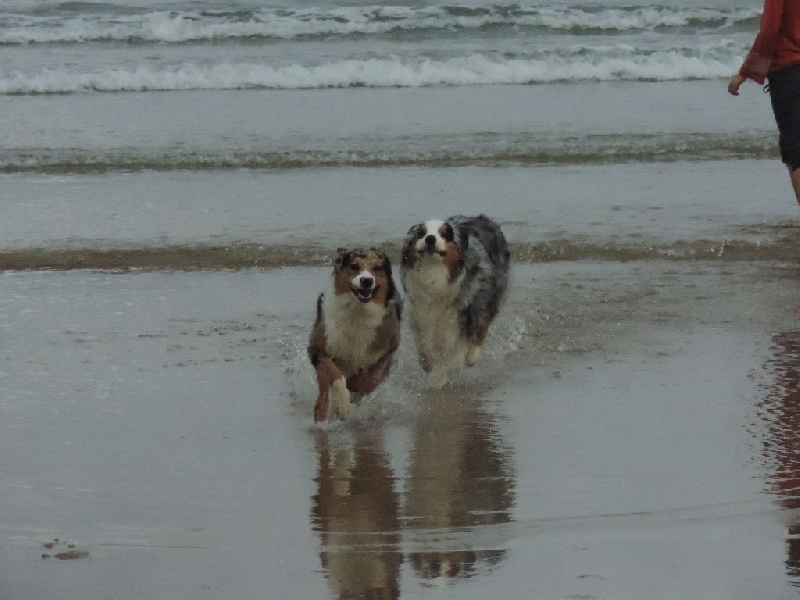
(202, 125)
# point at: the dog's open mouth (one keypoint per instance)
(364, 294)
(429, 251)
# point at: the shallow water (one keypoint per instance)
(628, 422)
(559, 123)
(707, 210)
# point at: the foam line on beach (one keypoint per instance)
(783, 248)
(480, 149)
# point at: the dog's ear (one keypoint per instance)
(387, 267)
(463, 241)
(449, 234)
(463, 237)
(414, 233)
(405, 253)
(342, 259)
(391, 292)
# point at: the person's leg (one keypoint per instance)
(795, 175)
(784, 91)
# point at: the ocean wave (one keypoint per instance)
(482, 149)
(197, 26)
(269, 256)
(389, 72)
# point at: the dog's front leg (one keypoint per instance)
(329, 379)
(341, 398)
(438, 376)
(475, 348)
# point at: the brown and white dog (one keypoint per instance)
(455, 274)
(356, 332)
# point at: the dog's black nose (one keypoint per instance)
(366, 282)
(430, 241)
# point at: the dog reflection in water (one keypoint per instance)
(356, 512)
(459, 478)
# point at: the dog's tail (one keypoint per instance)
(316, 343)
(319, 309)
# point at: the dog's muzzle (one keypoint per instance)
(430, 248)
(366, 289)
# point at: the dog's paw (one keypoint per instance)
(472, 356)
(320, 411)
(438, 377)
(341, 398)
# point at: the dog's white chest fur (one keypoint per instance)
(350, 329)
(434, 313)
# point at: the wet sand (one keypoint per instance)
(627, 435)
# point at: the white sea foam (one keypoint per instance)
(431, 151)
(185, 26)
(389, 72)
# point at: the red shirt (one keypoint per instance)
(778, 42)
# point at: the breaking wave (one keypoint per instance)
(385, 72)
(107, 24)
(430, 152)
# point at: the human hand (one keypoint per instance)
(735, 83)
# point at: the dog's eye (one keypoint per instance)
(354, 267)
(420, 233)
(378, 268)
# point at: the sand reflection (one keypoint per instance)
(459, 480)
(781, 412)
